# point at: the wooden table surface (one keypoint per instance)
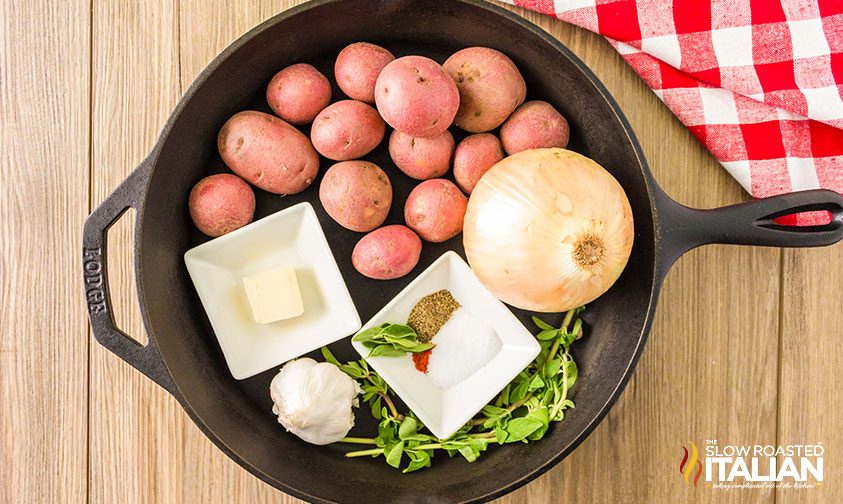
(745, 347)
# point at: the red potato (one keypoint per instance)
(422, 158)
(490, 85)
(534, 125)
(221, 203)
(416, 96)
(356, 194)
(298, 93)
(347, 129)
(435, 210)
(357, 68)
(473, 158)
(267, 152)
(387, 253)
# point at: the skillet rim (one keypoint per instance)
(654, 194)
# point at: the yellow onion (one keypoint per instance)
(548, 230)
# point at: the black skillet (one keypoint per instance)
(182, 354)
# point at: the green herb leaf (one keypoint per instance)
(541, 324)
(572, 335)
(393, 456)
(545, 395)
(408, 427)
(419, 460)
(520, 428)
(352, 371)
(376, 408)
(329, 357)
(490, 410)
(519, 392)
(468, 453)
(551, 368)
(422, 347)
(478, 444)
(541, 415)
(396, 342)
(547, 334)
(386, 351)
(503, 399)
(572, 373)
(368, 334)
(398, 331)
(386, 432)
(500, 435)
(536, 383)
(491, 422)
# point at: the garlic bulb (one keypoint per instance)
(313, 400)
(548, 230)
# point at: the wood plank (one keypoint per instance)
(811, 359)
(709, 368)
(44, 114)
(136, 428)
(207, 27)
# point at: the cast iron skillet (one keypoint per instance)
(182, 354)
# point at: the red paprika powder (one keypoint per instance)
(421, 360)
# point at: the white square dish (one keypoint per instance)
(445, 410)
(291, 237)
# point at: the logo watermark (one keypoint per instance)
(691, 465)
(729, 467)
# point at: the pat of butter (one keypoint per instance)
(274, 295)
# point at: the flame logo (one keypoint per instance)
(689, 460)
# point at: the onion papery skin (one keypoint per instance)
(548, 230)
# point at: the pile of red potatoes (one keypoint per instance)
(477, 89)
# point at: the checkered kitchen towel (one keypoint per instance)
(758, 82)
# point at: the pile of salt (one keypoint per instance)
(463, 346)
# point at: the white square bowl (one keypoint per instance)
(291, 237)
(444, 411)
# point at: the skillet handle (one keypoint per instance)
(144, 358)
(750, 223)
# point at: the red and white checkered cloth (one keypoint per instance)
(758, 82)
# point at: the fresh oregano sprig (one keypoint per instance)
(391, 340)
(522, 412)
(375, 389)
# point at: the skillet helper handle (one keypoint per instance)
(752, 222)
(144, 358)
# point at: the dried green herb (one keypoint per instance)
(431, 313)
